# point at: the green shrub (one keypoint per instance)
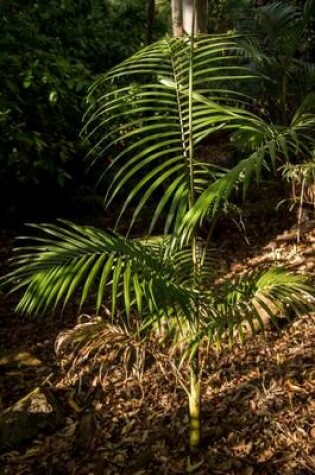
(50, 53)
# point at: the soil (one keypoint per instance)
(258, 398)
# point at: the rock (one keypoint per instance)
(18, 359)
(37, 412)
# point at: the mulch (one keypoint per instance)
(258, 398)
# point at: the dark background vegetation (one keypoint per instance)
(51, 52)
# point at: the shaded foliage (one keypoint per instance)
(51, 52)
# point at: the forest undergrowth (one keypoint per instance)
(259, 404)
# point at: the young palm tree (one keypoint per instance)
(153, 111)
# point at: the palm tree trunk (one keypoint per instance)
(194, 393)
(194, 408)
(201, 21)
(177, 18)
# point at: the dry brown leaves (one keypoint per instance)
(258, 408)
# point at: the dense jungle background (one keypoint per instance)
(51, 53)
(158, 316)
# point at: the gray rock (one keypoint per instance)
(37, 412)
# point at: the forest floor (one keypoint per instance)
(258, 398)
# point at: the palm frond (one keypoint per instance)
(248, 303)
(147, 121)
(234, 309)
(275, 36)
(278, 26)
(272, 146)
(67, 260)
(96, 347)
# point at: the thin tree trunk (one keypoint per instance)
(194, 392)
(150, 21)
(201, 23)
(194, 409)
(177, 18)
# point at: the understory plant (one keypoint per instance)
(301, 176)
(150, 114)
(280, 39)
(282, 45)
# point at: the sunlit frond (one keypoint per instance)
(65, 261)
(147, 121)
(248, 303)
(272, 146)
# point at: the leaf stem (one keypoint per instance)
(194, 395)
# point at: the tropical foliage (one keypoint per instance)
(150, 114)
(51, 53)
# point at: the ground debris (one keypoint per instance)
(258, 406)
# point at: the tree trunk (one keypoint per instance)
(177, 18)
(194, 411)
(201, 20)
(150, 21)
